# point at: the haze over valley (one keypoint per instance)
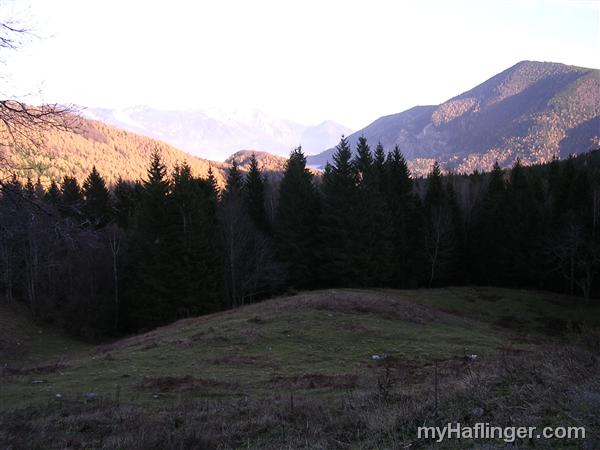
(216, 134)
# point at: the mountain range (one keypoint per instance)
(215, 134)
(532, 111)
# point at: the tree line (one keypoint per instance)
(101, 260)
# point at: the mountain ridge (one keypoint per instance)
(531, 111)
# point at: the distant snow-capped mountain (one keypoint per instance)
(215, 134)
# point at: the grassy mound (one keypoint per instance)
(325, 369)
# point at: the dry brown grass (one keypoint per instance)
(372, 302)
(557, 386)
(261, 396)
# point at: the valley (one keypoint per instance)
(196, 252)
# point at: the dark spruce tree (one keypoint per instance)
(254, 196)
(72, 198)
(214, 185)
(53, 194)
(97, 202)
(235, 227)
(248, 265)
(339, 230)
(441, 240)
(363, 162)
(296, 225)
(149, 293)
(521, 224)
(488, 250)
(379, 171)
(372, 249)
(126, 198)
(406, 223)
(571, 248)
(234, 183)
(195, 252)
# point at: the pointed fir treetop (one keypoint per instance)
(254, 190)
(364, 159)
(122, 187)
(53, 194)
(212, 182)
(379, 174)
(342, 158)
(518, 179)
(295, 167)
(71, 192)
(126, 195)
(234, 182)
(297, 159)
(96, 198)
(295, 220)
(183, 187)
(254, 177)
(182, 173)
(296, 177)
(94, 184)
(379, 155)
(341, 172)
(157, 172)
(435, 190)
(398, 173)
(496, 186)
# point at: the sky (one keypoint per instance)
(309, 61)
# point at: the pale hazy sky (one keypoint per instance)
(349, 61)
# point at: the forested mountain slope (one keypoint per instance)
(113, 151)
(532, 111)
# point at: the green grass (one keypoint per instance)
(251, 349)
(530, 308)
(230, 380)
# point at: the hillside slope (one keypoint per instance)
(533, 111)
(350, 366)
(113, 151)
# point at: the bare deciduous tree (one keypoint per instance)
(22, 126)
